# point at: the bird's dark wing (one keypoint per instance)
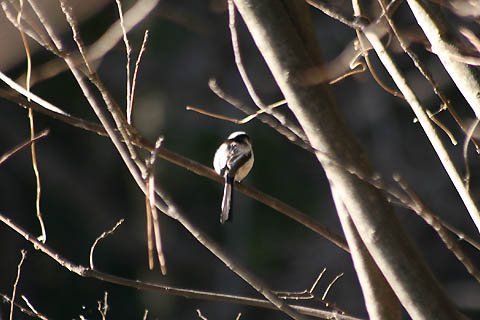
(238, 157)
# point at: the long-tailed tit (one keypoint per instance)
(233, 161)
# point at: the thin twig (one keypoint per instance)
(355, 22)
(103, 306)
(45, 104)
(354, 64)
(304, 294)
(442, 126)
(310, 295)
(102, 236)
(362, 48)
(14, 291)
(330, 285)
(128, 51)
(32, 308)
(320, 275)
(151, 261)
(460, 235)
(358, 26)
(26, 46)
(468, 137)
(135, 74)
(32, 312)
(68, 12)
(22, 146)
(237, 121)
(43, 236)
(211, 114)
(351, 22)
(153, 222)
(199, 313)
(238, 57)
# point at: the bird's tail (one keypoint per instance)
(227, 200)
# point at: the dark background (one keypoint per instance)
(86, 188)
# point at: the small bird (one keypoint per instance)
(233, 161)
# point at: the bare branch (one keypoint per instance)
(193, 294)
(468, 137)
(14, 291)
(152, 216)
(22, 146)
(428, 76)
(47, 105)
(32, 308)
(321, 5)
(200, 315)
(135, 74)
(444, 43)
(32, 312)
(330, 285)
(102, 236)
(238, 57)
(103, 306)
(128, 51)
(426, 124)
(246, 80)
(43, 236)
(237, 121)
(420, 208)
(272, 122)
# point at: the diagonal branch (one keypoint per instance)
(190, 165)
(445, 44)
(426, 124)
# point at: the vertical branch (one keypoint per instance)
(43, 237)
(128, 50)
(469, 135)
(135, 74)
(380, 301)
(148, 209)
(152, 216)
(14, 291)
(238, 57)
